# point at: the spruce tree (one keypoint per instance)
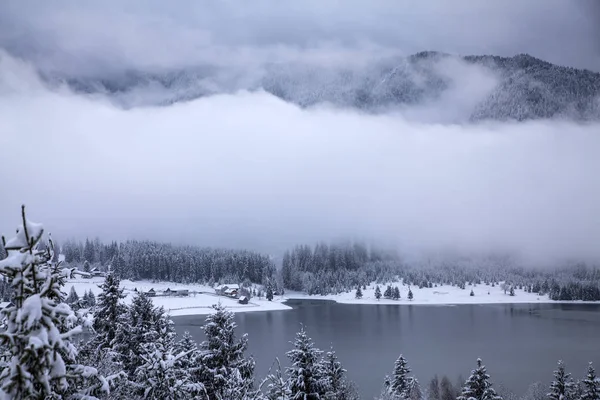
(334, 376)
(377, 292)
(358, 293)
(227, 373)
(73, 297)
(563, 387)
(277, 387)
(410, 294)
(396, 293)
(85, 301)
(86, 266)
(91, 299)
(389, 292)
(134, 330)
(41, 357)
(478, 385)
(161, 376)
(269, 293)
(590, 385)
(400, 381)
(433, 392)
(108, 314)
(512, 291)
(305, 380)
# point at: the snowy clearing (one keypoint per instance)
(441, 295)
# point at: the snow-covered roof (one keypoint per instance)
(228, 286)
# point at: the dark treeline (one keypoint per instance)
(166, 262)
(325, 269)
(328, 268)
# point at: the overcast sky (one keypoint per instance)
(84, 36)
(251, 170)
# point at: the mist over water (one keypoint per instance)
(247, 169)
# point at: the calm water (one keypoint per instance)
(519, 344)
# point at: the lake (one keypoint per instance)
(519, 343)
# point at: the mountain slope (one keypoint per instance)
(499, 88)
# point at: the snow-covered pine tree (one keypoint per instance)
(414, 390)
(134, 330)
(396, 293)
(433, 393)
(478, 385)
(410, 294)
(189, 348)
(377, 292)
(512, 291)
(108, 314)
(161, 376)
(40, 326)
(389, 292)
(269, 293)
(305, 379)
(590, 385)
(227, 373)
(91, 299)
(358, 293)
(85, 300)
(73, 297)
(277, 387)
(563, 386)
(334, 376)
(400, 381)
(86, 266)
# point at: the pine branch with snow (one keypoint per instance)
(40, 327)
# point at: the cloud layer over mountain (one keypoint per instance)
(249, 169)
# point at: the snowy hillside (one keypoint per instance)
(477, 87)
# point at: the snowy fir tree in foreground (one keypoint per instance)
(227, 373)
(277, 388)
(400, 385)
(590, 385)
(40, 326)
(478, 385)
(563, 387)
(305, 378)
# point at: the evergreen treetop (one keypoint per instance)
(478, 385)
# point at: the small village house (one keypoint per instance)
(228, 289)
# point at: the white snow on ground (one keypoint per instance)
(441, 295)
(194, 304)
(199, 304)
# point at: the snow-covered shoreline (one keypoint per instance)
(194, 304)
(201, 302)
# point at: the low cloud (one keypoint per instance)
(248, 169)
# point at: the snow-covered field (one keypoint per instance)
(194, 304)
(200, 303)
(483, 294)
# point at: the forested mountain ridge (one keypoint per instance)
(524, 87)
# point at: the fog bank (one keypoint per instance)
(251, 170)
